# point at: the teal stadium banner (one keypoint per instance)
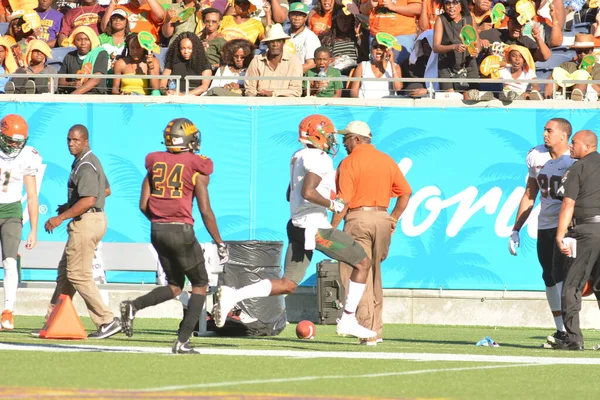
(466, 167)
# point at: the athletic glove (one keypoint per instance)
(223, 253)
(337, 206)
(514, 242)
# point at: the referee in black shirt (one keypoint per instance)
(580, 214)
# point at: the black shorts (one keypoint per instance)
(179, 254)
(551, 259)
(334, 243)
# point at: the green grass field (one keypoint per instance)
(415, 361)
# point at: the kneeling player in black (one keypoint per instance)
(174, 178)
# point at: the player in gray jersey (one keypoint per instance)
(546, 166)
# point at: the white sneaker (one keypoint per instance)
(224, 305)
(349, 326)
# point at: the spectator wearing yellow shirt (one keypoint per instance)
(241, 25)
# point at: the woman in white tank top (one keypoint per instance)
(382, 65)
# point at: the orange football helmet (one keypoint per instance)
(318, 130)
(13, 134)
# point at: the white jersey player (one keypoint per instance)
(547, 164)
(19, 165)
(305, 214)
(311, 193)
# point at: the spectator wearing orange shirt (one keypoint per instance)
(366, 181)
(396, 17)
(142, 15)
(321, 16)
(429, 12)
(5, 11)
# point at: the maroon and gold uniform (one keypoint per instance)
(172, 180)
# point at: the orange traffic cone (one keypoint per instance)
(63, 322)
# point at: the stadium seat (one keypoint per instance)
(161, 57)
(559, 55)
(58, 54)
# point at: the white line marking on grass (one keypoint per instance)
(326, 377)
(307, 354)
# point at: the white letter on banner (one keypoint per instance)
(505, 221)
(408, 217)
(405, 165)
(466, 209)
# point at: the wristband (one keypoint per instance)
(393, 219)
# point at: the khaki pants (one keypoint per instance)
(373, 231)
(75, 266)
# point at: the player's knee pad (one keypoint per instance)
(10, 265)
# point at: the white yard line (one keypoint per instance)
(308, 354)
(326, 377)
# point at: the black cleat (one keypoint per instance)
(183, 348)
(566, 345)
(127, 316)
(558, 335)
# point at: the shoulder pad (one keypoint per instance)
(205, 165)
(530, 150)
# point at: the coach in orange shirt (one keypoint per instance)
(366, 181)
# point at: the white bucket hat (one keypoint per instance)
(274, 32)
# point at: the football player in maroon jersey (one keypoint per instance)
(174, 178)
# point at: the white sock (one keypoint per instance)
(261, 288)
(558, 321)
(355, 293)
(11, 282)
(553, 294)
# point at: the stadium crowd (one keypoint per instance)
(457, 40)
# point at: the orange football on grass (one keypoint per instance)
(305, 330)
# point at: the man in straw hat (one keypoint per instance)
(583, 46)
(277, 61)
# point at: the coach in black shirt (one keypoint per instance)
(580, 190)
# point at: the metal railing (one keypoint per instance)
(186, 80)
